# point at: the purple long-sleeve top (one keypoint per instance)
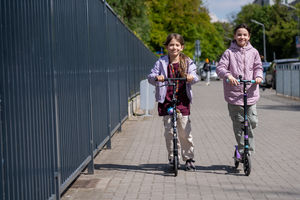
(243, 61)
(161, 68)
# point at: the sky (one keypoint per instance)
(219, 10)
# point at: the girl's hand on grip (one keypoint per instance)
(258, 80)
(160, 78)
(232, 80)
(189, 78)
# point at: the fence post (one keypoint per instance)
(91, 143)
(57, 171)
(91, 149)
(108, 144)
(2, 183)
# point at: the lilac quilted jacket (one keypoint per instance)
(161, 68)
(243, 61)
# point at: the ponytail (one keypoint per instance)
(183, 65)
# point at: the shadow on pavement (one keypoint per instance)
(220, 169)
(155, 169)
(166, 170)
(280, 107)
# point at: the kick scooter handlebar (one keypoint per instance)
(172, 79)
(244, 81)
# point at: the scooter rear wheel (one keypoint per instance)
(247, 165)
(176, 165)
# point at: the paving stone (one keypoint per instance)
(136, 166)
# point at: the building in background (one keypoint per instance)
(294, 2)
(271, 2)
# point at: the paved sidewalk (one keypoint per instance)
(136, 166)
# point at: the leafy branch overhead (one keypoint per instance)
(153, 20)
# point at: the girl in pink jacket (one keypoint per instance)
(241, 58)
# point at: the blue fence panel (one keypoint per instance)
(70, 63)
(113, 71)
(295, 86)
(67, 71)
(287, 79)
(27, 103)
(279, 79)
(97, 43)
(123, 74)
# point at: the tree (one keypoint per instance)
(226, 31)
(134, 14)
(283, 31)
(153, 20)
(188, 18)
(280, 26)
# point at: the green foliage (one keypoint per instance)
(134, 14)
(226, 31)
(153, 20)
(280, 25)
(188, 18)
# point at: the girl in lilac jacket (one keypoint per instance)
(241, 58)
(176, 65)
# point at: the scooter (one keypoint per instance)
(245, 157)
(173, 111)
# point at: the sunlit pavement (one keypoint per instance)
(136, 166)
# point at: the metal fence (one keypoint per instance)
(288, 79)
(68, 69)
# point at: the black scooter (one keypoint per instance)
(172, 111)
(245, 157)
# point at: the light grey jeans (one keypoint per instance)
(237, 116)
(185, 139)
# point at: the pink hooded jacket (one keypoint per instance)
(243, 61)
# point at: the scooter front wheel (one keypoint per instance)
(247, 165)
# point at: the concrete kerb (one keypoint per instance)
(134, 108)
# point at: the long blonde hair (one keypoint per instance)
(183, 59)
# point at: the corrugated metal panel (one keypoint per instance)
(67, 71)
(27, 93)
(73, 87)
(287, 79)
(295, 70)
(98, 72)
(113, 69)
(279, 79)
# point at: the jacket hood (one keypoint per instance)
(234, 46)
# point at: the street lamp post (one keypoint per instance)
(197, 51)
(264, 37)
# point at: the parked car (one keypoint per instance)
(266, 66)
(213, 73)
(199, 67)
(270, 77)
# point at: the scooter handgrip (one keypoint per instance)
(252, 81)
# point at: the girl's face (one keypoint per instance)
(174, 48)
(242, 37)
